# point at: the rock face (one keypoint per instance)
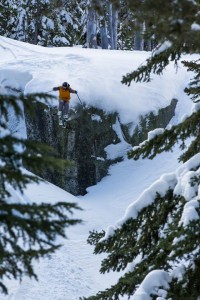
(147, 123)
(84, 140)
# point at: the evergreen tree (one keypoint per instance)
(69, 18)
(8, 17)
(157, 241)
(126, 27)
(61, 23)
(44, 22)
(28, 230)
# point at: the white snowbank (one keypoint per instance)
(95, 73)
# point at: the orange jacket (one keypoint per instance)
(64, 94)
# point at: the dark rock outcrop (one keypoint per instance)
(84, 140)
(149, 122)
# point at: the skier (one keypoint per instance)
(64, 99)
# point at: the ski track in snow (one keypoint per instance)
(73, 271)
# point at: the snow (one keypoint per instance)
(179, 181)
(166, 45)
(190, 212)
(96, 118)
(151, 285)
(4, 132)
(147, 197)
(95, 73)
(155, 132)
(73, 271)
(117, 150)
(195, 26)
(196, 107)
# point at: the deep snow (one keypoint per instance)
(73, 270)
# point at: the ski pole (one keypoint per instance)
(79, 99)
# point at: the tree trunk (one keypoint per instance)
(91, 27)
(138, 39)
(110, 31)
(104, 37)
(103, 27)
(114, 26)
(149, 45)
(36, 25)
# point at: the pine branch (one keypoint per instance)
(166, 141)
(156, 64)
(152, 237)
(28, 230)
(194, 86)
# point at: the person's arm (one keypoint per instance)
(56, 88)
(73, 91)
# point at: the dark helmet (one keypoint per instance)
(65, 85)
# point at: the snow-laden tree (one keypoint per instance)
(106, 24)
(126, 27)
(51, 23)
(28, 231)
(8, 17)
(44, 22)
(69, 19)
(156, 243)
(26, 20)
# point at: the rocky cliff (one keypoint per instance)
(84, 141)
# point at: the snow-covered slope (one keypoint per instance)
(96, 74)
(73, 270)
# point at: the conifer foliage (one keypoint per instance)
(28, 230)
(43, 22)
(156, 243)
